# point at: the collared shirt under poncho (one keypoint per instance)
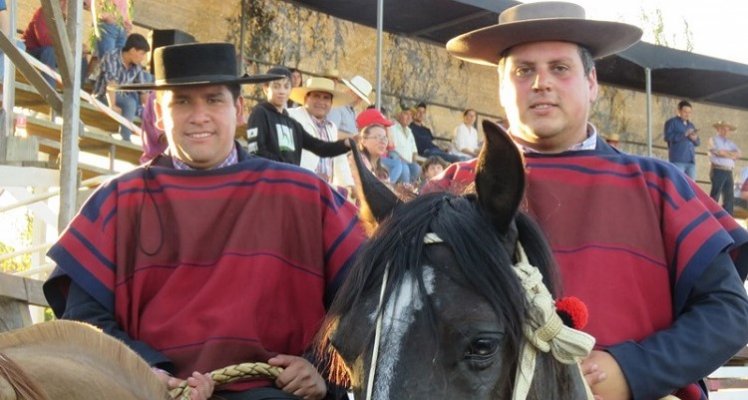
(643, 247)
(211, 268)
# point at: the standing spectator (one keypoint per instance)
(318, 95)
(682, 139)
(425, 139)
(273, 134)
(722, 155)
(208, 257)
(466, 136)
(112, 25)
(662, 276)
(344, 116)
(120, 67)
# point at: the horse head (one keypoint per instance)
(434, 307)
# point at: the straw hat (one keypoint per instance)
(360, 86)
(539, 22)
(195, 64)
(720, 124)
(316, 84)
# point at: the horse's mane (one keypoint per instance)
(479, 258)
(78, 340)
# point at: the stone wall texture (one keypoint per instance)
(278, 32)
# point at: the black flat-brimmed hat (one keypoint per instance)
(540, 22)
(195, 64)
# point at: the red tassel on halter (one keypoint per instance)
(572, 311)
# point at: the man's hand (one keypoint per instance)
(605, 376)
(201, 385)
(299, 377)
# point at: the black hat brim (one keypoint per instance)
(199, 81)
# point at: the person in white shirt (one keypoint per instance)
(466, 136)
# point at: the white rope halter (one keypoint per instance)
(543, 330)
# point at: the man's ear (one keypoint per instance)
(594, 87)
(239, 109)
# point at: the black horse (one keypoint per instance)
(452, 311)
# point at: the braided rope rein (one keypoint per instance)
(230, 374)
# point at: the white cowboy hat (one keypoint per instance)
(360, 86)
(729, 126)
(539, 22)
(316, 84)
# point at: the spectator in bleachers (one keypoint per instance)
(344, 116)
(465, 139)
(273, 134)
(119, 67)
(297, 80)
(112, 25)
(318, 96)
(39, 43)
(404, 147)
(425, 139)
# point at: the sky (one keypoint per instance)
(718, 26)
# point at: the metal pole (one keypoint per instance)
(380, 29)
(9, 79)
(648, 77)
(71, 125)
(242, 22)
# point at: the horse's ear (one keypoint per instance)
(499, 176)
(377, 201)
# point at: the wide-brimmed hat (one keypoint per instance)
(372, 116)
(195, 64)
(540, 22)
(720, 124)
(360, 86)
(316, 84)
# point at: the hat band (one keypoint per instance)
(196, 79)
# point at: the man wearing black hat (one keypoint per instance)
(207, 257)
(653, 257)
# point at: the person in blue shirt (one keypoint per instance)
(682, 139)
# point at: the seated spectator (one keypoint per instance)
(404, 147)
(40, 45)
(273, 134)
(394, 166)
(372, 145)
(425, 139)
(432, 167)
(120, 67)
(466, 136)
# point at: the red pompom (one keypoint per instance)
(573, 311)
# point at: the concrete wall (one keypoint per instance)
(278, 32)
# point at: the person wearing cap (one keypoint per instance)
(273, 134)
(318, 95)
(344, 116)
(207, 257)
(722, 155)
(662, 275)
(682, 139)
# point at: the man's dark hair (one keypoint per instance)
(421, 105)
(234, 88)
(684, 103)
(138, 42)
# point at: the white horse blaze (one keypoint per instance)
(399, 313)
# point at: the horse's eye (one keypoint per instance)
(482, 348)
